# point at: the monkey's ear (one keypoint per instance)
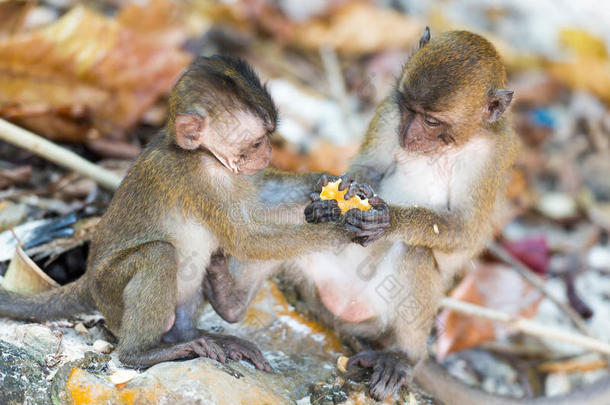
(190, 130)
(425, 37)
(498, 103)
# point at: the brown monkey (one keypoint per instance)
(438, 150)
(192, 191)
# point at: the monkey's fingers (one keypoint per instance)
(364, 359)
(372, 219)
(387, 378)
(322, 211)
(314, 196)
(346, 180)
(361, 190)
(238, 349)
(207, 347)
(323, 181)
(367, 240)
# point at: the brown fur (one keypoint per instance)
(138, 255)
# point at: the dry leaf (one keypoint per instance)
(590, 69)
(330, 158)
(84, 66)
(162, 21)
(25, 277)
(493, 286)
(343, 29)
(12, 16)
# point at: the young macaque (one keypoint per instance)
(438, 150)
(195, 190)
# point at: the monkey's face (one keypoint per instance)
(240, 141)
(421, 130)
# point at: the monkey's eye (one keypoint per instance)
(258, 143)
(432, 122)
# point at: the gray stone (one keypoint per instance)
(22, 380)
(38, 340)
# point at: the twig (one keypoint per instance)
(527, 326)
(537, 282)
(27, 140)
(336, 83)
(572, 365)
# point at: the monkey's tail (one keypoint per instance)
(438, 382)
(59, 302)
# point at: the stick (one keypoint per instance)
(537, 282)
(27, 140)
(527, 326)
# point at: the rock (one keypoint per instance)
(85, 388)
(207, 381)
(303, 354)
(557, 205)
(101, 346)
(496, 376)
(557, 384)
(599, 257)
(21, 377)
(38, 340)
(122, 376)
(81, 328)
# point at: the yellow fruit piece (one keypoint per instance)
(331, 192)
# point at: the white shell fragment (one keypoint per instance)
(81, 328)
(101, 346)
(342, 363)
(122, 376)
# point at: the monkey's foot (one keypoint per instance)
(391, 370)
(237, 349)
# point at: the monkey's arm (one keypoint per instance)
(250, 230)
(469, 211)
(277, 187)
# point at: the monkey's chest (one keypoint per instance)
(419, 181)
(194, 245)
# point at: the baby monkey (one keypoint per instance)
(195, 190)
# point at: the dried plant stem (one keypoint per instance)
(527, 326)
(36, 144)
(538, 283)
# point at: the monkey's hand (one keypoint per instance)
(325, 210)
(391, 370)
(370, 225)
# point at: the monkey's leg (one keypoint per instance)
(230, 285)
(149, 302)
(414, 310)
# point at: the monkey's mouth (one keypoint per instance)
(252, 167)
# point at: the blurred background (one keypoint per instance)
(94, 77)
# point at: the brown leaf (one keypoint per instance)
(590, 69)
(493, 286)
(12, 15)
(17, 175)
(343, 29)
(86, 65)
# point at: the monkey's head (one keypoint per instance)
(452, 85)
(220, 106)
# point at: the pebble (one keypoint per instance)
(81, 328)
(557, 205)
(122, 376)
(39, 340)
(101, 346)
(342, 364)
(557, 384)
(599, 257)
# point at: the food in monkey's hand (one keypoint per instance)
(331, 192)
